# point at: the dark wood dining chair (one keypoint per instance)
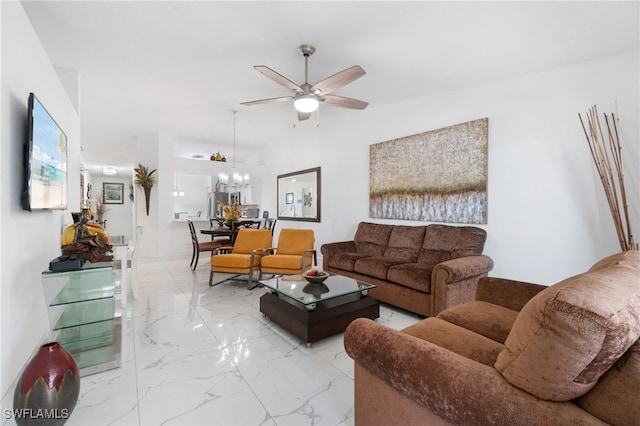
(200, 246)
(243, 224)
(270, 224)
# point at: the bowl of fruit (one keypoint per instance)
(315, 275)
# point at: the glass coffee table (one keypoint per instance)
(313, 311)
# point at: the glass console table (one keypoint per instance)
(81, 307)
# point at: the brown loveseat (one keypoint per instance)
(520, 354)
(423, 269)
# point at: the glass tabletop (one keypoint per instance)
(297, 288)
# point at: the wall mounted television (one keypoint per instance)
(45, 161)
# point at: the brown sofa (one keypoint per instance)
(423, 269)
(520, 354)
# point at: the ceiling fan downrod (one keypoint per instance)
(306, 50)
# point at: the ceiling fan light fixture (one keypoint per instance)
(306, 104)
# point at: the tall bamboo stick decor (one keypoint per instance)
(606, 152)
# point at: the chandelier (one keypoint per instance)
(238, 180)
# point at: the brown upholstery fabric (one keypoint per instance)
(486, 319)
(456, 339)
(616, 397)
(375, 266)
(412, 275)
(387, 256)
(569, 334)
(452, 387)
(344, 261)
(372, 238)
(442, 242)
(405, 242)
(507, 293)
(377, 404)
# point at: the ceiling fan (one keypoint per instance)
(306, 97)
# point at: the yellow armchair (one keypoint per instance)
(245, 256)
(293, 255)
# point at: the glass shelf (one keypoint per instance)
(79, 286)
(81, 305)
(88, 336)
(86, 313)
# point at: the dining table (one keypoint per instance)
(220, 230)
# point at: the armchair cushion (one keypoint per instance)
(287, 258)
(251, 239)
(246, 252)
(569, 334)
(295, 241)
(456, 339)
(486, 319)
(291, 262)
(234, 261)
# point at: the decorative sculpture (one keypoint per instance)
(90, 241)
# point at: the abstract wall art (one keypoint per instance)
(435, 176)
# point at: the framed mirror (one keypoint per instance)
(299, 195)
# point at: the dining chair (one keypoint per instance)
(243, 224)
(244, 257)
(293, 254)
(200, 246)
(270, 224)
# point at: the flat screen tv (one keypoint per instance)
(45, 161)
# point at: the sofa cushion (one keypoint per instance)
(487, 319)
(413, 275)
(375, 266)
(569, 334)
(372, 238)
(345, 261)
(456, 339)
(405, 242)
(615, 399)
(444, 242)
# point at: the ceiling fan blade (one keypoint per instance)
(278, 78)
(337, 80)
(343, 102)
(265, 101)
(303, 115)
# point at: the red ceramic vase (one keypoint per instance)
(48, 389)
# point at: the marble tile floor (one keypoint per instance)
(200, 355)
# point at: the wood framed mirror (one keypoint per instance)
(299, 195)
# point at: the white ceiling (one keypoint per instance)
(181, 67)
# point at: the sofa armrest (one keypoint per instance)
(455, 388)
(454, 281)
(334, 249)
(506, 293)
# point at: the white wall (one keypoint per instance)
(547, 215)
(29, 239)
(118, 216)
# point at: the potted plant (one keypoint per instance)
(144, 179)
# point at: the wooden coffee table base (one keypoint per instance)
(328, 318)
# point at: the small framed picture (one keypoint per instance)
(112, 193)
(289, 198)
